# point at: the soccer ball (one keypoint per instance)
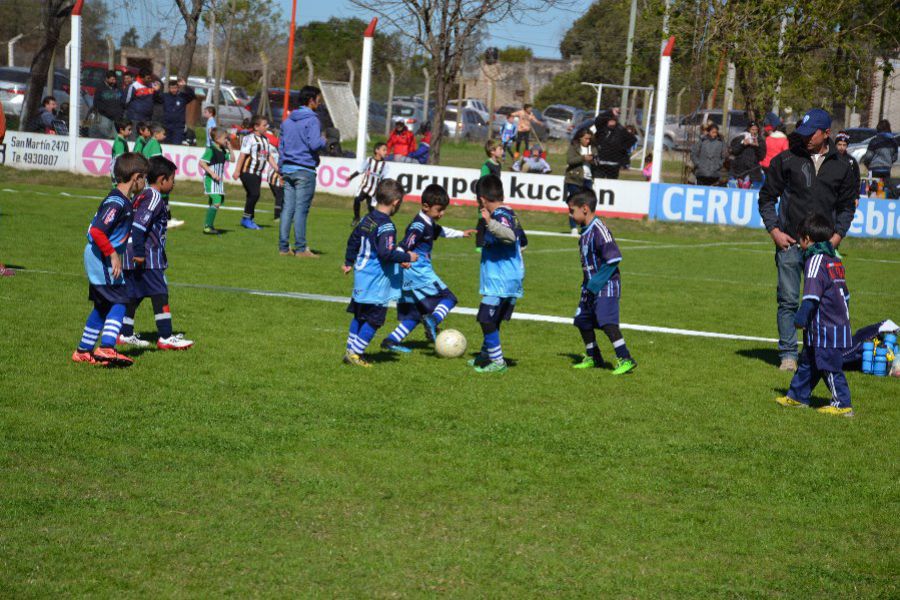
(450, 343)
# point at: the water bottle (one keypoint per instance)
(880, 369)
(868, 357)
(890, 341)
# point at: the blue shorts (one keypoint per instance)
(373, 314)
(495, 310)
(596, 311)
(414, 305)
(104, 296)
(144, 283)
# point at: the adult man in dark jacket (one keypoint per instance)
(809, 177)
(141, 96)
(175, 102)
(108, 105)
(611, 142)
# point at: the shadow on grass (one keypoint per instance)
(766, 355)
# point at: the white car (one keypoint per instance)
(233, 100)
(473, 104)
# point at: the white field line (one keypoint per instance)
(854, 259)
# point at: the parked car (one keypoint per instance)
(411, 114)
(561, 120)
(858, 150)
(233, 100)
(859, 135)
(14, 83)
(474, 128)
(276, 104)
(473, 104)
(93, 74)
(688, 129)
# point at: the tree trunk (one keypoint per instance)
(40, 66)
(191, 19)
(444, 77)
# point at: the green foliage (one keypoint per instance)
(516, 54)
(154, 42)
(130, 38)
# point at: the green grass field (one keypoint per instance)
(255, 464)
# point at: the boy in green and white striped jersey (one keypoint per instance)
(218, 154)
(120, 145)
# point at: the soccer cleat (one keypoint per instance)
(495, 366)
(211, 231)
(85, 356)
(586, 363)
(132, 340)
(394, 347)
(249, 224)
(624, 365)
(356, 360)
(430, 327)
(790, 402)
(174, 223)
(835, 411)
(110, 358)
(479, 361)
(174, 342)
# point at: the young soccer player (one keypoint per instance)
(825, 315)
(601, 286)
(425, 297)
(251, 162)
(107, 235)
(153, 147)
(494, 152)
(146, 261)
(373, 255)
(373, 170)
(120, 145)
(213, 163)
(508, 135)
(143, 136)
(209, 113)
(502, 271)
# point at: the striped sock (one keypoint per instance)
(403, 329)
(492, 344)
(443, 309)
(92, 328)
(112, 326)
(621, 349)
(366, 333)
(163, 315)
(352, 335)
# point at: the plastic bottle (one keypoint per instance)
(880, 369)
(868, 357)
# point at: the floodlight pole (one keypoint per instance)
(75, 83)
(110, 52)
(665, 64)
(290, 62)
(365, 82)
(390, 101)
(10, 45)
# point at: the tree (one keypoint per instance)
(130, 38)
(155, 42)
(443, 30)
(191, 17)
(54, 14)
(516, 54)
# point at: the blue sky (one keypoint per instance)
(149, 15)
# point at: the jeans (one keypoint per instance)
(790, 271)
(299, 188)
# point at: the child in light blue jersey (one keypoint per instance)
(376, 260)
(425, 297)
(502, 272)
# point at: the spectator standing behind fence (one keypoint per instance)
(611, 143)
(400, 143)
(776, 143)
(175, 102)
(301, 141)
(578, 177)
(108, 106)
(523, 128)
(747, 149)
(141, 96)
(209, 113)
(708, 155)
(881, 153)
(808, 178)
(841, 141)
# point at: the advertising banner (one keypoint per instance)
(35, 151)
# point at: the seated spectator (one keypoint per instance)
(400, 143)
(532, 162)
(422, 153)
(42, 122)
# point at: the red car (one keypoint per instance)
(94, 74)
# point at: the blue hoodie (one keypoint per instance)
(301, 140)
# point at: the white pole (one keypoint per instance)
(10, 60)
(352, 70)
(75, 82)
(659, 132)
(68, 55)
(662, 85)
(365, 82)
(629, 49)
(597, 105)
(729, 100)
(776, 103)
(390, 102)
(211, 45)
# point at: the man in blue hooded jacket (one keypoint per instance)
(298, 157)
(175, 102)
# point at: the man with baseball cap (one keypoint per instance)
(808, 178)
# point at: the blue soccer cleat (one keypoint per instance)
(394, 347)
(430, 327)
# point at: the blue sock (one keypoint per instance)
(351, 337)
(92, 328)
(366, 333)
(112, 326)
(443, 309)
(621, 349)
(492, 344)
(404, 328)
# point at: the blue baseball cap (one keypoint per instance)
(813, 120)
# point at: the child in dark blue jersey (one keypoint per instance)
(425, 297)
(825, 315)
(502, 272)
(146, 261)
(375, 258)
(107, 235)
(601, 286)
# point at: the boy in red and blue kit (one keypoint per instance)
(825, 316)
(107, 236)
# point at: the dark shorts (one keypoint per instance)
(143, 283)
(104, 296)
(596, 311)
(825, 359)
(373, 314)
(413, 307)
(495, 310)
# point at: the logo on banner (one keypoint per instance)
(96, 157)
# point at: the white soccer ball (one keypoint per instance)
(450, 343)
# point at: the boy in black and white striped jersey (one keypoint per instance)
(373, 171)
(255, 153)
